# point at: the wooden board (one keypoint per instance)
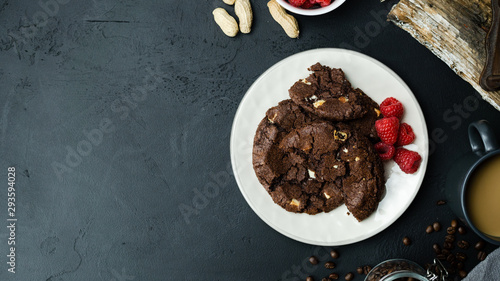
(454, 30)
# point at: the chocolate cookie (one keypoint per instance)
(364, 184)
(283, 172)
(335, 154)
(328, 94)
(305, 167)
(279, 121)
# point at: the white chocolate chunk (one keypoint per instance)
(295, 202)
(318, 103)
(312, 174)
(305, 82)
(311, 98)
(272, 119)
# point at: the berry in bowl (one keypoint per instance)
(310, 7)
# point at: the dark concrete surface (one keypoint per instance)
(146, 92)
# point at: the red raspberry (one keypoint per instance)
(405, 135)
(296, 3)
(391, 107)
(385, 151)
(324, 3)
(407, 160)
(308, 4)
(387, 129)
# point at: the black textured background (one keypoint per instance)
(116, 214)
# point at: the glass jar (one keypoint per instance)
(405, 270)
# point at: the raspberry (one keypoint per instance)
(308, 4)
(407, 160)
(297, 3)
(391, 107)
(324, 3)
(385, 151)
(387, 129)
(405, 135)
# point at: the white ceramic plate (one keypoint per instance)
(336, 227)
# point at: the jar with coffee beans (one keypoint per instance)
(405, 270)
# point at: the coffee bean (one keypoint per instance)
(333, 276)
(436, 226)
(462, 273)
(309, 278)
(406, 241)
(449, 238)
(460, 265)
(334, 254)
(329, 265)
(440, 202)
(451, 230)
(324, 279)
(463, 244)
(429, 229)
(313, 260)
(462, 230)
(441, 256)
(349, 276)
(450, 258)
(479, 245)
(454, 223)
(410, 279)
(461, 256)
(359, 270)
(481, 255)
(366, 269)
(436, 248)
(445, 252)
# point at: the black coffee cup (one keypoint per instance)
(484, 146)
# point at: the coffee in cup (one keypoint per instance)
(482, 197)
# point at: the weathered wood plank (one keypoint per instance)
(454, 30)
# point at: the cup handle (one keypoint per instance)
(482, 138)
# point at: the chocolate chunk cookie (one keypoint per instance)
(308, 167)
(335, 154)
(279, 121)
(364, 184)
(283, 170)
(328, 94)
